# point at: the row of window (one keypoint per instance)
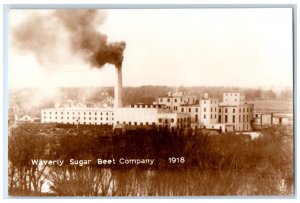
(211, 109)
(211, 116)
(136, 123)
(78, 113)
(90, 118)
(235, 94)
(211, 101)
(168, 100)
(177, 100)
(179, 120)
(84, 123)
(241, 119)
(233, 110)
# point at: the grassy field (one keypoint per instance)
(272, 106)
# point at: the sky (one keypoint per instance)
(174, 47)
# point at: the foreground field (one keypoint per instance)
(224, 164)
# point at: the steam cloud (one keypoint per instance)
(39, 34)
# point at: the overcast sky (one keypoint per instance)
(212, 47)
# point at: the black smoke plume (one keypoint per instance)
(39, 34)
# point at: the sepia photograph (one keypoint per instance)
(165, 102)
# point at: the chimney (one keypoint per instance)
(118, 88)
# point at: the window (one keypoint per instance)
(233, 110)
(61, 117)
(220, 110)
(244, 110)
(172, 120)
(84, 118)
(182, 109)
(129, 123)
(196, 109)
(135, 123)
(239, 110)
(250, 109)
(95, 113)
(168, 100)
(141, 123)
(215, 109)
(161, 99)
(78, 113)
(204, 109)
(107, 119)
(233, 119)
(67, 113)
(204, 116)
(83, 113)
(215, 115)
(243, 118)
(55, 112)
(44, 117)
(247, 110)
(247, 118)
(73, 113)
(196, 118)
(211, 116)
(101, 113)
(50, 112)
(67, 117)
(107, 114)
(189, 110)
(225, 110)
(147, 123)
(226, 118)
(61, 112)
(211, 101)
(175, 100)
(160, 120)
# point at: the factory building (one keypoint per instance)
(267, 119)
(151, 114)
(78, 115)
(208, 110)
(176, 110)
(235, 113)
(174, 99)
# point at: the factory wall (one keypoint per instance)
(89, 116)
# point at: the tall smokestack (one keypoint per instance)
(81, 25)
(118, 88)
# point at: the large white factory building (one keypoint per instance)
(176, 110)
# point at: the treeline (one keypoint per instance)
(225, 164)
(131, 95)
